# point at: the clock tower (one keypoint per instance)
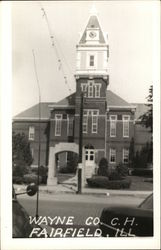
(92, 79)
(92, 51)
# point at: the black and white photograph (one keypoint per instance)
(83, 159)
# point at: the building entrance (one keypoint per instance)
(89, 161)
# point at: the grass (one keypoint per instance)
(140, 183)
(137, 182)
(64, 177)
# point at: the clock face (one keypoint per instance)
(92, 34)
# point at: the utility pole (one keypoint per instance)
(80, 146)
(39, 148)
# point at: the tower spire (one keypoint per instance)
(93, 10)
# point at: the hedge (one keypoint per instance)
(104, 182)
(115, 176)
(143, 172)
(31, 178)
(98, 181)
(17, 180)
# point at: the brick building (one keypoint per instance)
(109, 122)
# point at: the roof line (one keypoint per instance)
(112, 106)
(61, 106)
(30, 118)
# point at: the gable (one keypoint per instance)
(93, 23)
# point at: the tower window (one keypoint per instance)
(90, 89)
(58, 121)
(70, 126)
(97, 90)
(94, 123)
(84, 89)
(85, 122)
(91, 61)
(94, 116)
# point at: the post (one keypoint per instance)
(39, 148)
(80, 146)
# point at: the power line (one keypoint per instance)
(60, 67)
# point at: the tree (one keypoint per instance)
(147, 117)
(143, 157)
(21, 154)
(131, 153)
(147, 121)
(103, 167)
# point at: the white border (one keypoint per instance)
(6, 218)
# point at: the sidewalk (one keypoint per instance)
(71, 188)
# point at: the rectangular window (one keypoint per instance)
(91, 60)
(93, 113)
(112, 155)
(126, 119)
(90, 89)
(84, 89)
(113, 121)
(94, 121)
(85, 122)
(97, 90)
(125, 155)
(70, 126)
(58, 121)
(94, 124)
(31, 133)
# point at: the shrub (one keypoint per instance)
(42, 173)
(119, 184)
(114, 175)
(31, 178)
(98, 181)
(17, 180)
(20, 169)
(122, 169)
(103, 182)
(103, 167)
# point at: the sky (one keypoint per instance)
(130, 26)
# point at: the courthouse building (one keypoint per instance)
(109, 122)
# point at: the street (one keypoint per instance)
(67, 214)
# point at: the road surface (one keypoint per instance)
(71, 215)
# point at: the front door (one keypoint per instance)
(89, 162)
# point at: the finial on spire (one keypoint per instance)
(93, 10)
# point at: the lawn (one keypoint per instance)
(140, 183)
(137, 182)
(64, 177)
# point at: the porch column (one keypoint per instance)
(52, 179)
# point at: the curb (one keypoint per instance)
(73, 190)
(107, 194)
